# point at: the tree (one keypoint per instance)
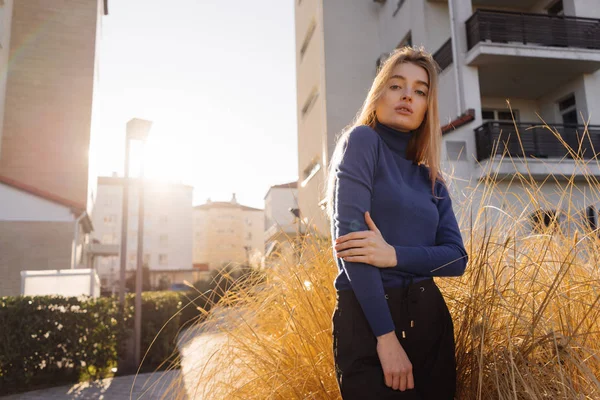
(130, 282)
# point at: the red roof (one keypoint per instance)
(460, 121)
(77, 208)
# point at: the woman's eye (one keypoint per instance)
(394, 86)
(422, 93)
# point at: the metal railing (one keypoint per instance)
(528, 28)
(537, 141)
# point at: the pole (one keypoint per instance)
(140, 260)
(124, 222)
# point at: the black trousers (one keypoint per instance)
(428, 341)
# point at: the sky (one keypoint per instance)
(216, 78)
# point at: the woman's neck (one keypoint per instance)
(395, 139)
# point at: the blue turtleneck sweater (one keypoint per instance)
(374, 175)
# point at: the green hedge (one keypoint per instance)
(52, 340)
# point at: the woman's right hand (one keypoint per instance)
(397, 368)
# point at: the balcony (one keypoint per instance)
(535, 29)
(518, 54)
(537, 141)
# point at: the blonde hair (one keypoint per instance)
(424, 145)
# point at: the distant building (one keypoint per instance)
(48, 68)
(227, 233)
(167, 229)
(281, 225)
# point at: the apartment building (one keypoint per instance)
(542, 55)
(283, 222)
(167, 230)
(48, 68)
(227, 233)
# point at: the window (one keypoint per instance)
(248, 221)
(309, 33)
(543, 221)
(147, 259)
(107, 239)
(568, 109)
(249, 236)
(591, 216)
(162, 259)
(164, 240)
(110, 219)
(490, 114)
(132, 257)
(310, 171)
(310, 101)
(456, 150)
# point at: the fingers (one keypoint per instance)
(410, 381)
(402, 381)
(397, 382)
(389, 380)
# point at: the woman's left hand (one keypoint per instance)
(367, 247)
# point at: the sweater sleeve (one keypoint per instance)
(353, 191)
(448, 257)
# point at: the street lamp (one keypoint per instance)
(137, 129)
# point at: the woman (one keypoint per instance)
(394, 229)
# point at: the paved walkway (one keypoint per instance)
(151, 386)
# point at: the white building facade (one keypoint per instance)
(543, 56)
(167, 226)
(281, 224)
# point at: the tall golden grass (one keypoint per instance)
(526, 311)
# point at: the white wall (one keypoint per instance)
(21, 206)
(549, 107)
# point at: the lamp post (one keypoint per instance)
(137, 129)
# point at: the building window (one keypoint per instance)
(568, 109)
(309, 34)
(146, 259)
(162, 259)
(248, 221)
(310, 101)
(110, 219)
(310, 171)
(164, 240)
(490, 114)
(107, 239)
(132, 257)
(591, 216)
(249, 236)
(543, 221)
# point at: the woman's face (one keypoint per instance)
(403, 103)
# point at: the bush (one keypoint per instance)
(52, 340)
(55, 339)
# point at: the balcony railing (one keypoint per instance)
(444, 55)
(538, 29)
(537, 141)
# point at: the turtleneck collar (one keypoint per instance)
(395, 139)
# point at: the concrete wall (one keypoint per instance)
(48, 101)
(31, 245)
